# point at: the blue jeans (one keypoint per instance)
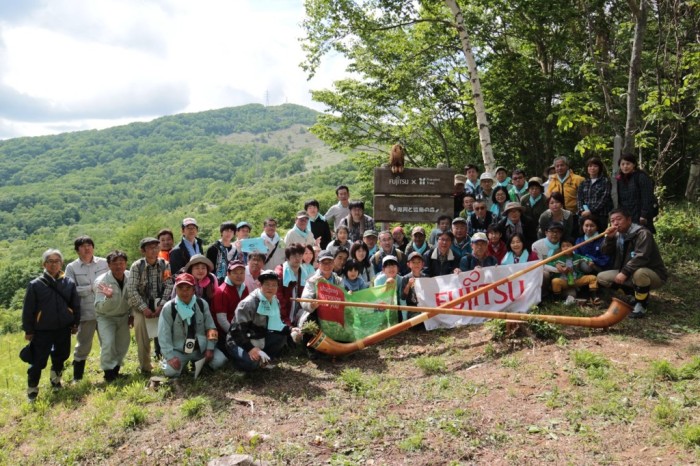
(274, 342)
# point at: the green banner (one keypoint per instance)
(347, 323)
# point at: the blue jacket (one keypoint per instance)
(594, 252)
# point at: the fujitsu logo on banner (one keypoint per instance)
(505, 293)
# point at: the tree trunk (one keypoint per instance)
(693, 186)
(480, 110)
(640, 28)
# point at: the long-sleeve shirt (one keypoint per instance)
(118, 304)
(149, 282)
(84, 275)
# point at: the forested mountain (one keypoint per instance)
(123, 183)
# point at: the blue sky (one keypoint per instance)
(68, 65)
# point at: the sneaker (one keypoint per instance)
(32, 394)
(638, 311)
(570, 301)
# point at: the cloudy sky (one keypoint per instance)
(68, 65)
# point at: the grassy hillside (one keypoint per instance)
(549, 395)
(121, 184)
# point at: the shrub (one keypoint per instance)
(677, 229)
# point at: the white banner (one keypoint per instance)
(516, 296)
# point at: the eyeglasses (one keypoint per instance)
(53, 261)
(479, 208)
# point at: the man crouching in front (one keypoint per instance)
(257, 333)
(186, 330)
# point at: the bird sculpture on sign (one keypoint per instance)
(397, 158)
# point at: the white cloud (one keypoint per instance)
(75, 64)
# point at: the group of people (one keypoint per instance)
(231, 301)
(533, 220)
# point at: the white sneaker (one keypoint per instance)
(570, 301)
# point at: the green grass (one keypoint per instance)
(588, 360)
(194, 407)
(446, 397)
(431, 365)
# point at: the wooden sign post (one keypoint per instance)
(418, 195)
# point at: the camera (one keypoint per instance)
(189, 345)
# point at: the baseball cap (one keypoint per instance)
(479, 236)
(323, 255)
(233, 265)
(185, 278)
(389, 259)
(189, 221)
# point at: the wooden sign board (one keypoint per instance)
(435, 181)
(414, 209)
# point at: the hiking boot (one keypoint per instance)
(78, 370)
(110, 375)
(32, 394)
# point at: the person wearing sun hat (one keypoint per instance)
(206, 283)
(258, 332)
(190, 245)
(514, 222)
(186, 330)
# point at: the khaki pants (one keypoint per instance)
(114, 340)
(84, 337)
(640, 277)
(143, 343)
